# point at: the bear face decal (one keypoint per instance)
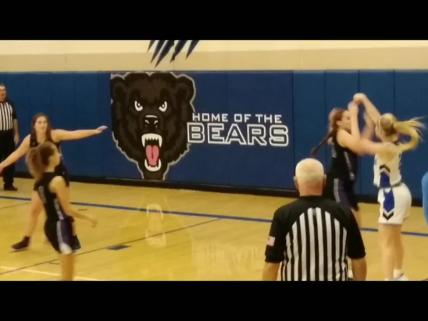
(149, 119)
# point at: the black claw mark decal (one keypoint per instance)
(164, 47)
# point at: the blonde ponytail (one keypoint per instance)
(411, 128)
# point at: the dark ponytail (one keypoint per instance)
(335, 115)
(38, 159)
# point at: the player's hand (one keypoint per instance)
(100, 129)
(359, 98)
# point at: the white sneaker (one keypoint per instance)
(402, 277)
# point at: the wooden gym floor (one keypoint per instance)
(172, 234)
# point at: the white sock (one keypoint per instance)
(397, 273)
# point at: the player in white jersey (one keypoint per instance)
(394, 196)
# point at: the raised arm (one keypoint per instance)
(368, 130)
(370, 108)
(353, 111)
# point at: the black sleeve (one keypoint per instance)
(276, 241)
(356, 248)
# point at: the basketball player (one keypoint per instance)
(343, 170)
(53, 191)
(393, 196)
(41, 132)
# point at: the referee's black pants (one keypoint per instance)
(7, 146)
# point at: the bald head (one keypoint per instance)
(309, 176)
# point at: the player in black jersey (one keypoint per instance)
(54, 193)
(41, 131)
(343, 170)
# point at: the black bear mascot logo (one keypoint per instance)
(149, 119)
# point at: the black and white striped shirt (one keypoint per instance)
(312, 238)
(7, 115)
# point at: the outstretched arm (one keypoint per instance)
(61, 134)
(17, 154)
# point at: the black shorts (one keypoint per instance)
(60, 235)
(341, 191)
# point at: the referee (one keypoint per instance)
(312, 237)
(9, 136)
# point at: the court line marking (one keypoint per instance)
(153, 235)
(106, 247)
(83, 278)
(223, 217)
(14, 205)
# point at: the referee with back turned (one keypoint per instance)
(312, 237)
(9, 136)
